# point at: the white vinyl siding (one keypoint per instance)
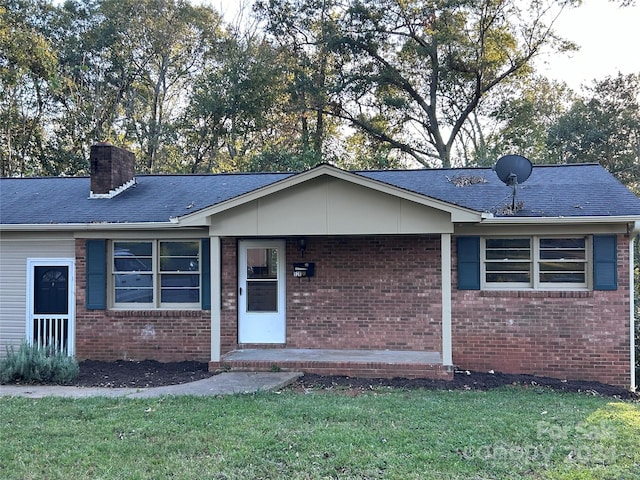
(14, 250)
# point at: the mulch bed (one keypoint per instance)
(150, 373)
(463, 380)
(147, 373)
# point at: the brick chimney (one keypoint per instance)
(112, 170)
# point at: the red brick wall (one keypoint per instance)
(163, 335)
(229, 303)
(574, 335)
(367, 293)
(384, 293)
(111, 167)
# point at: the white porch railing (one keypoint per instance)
(51, 331)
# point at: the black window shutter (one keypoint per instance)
(468, 251)
(96, 274)
(605, 262)
(205, 261)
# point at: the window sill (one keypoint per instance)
(149, 308)
(530, 293)
(157, 312)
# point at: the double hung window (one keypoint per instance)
(535, 262)
(156, 273)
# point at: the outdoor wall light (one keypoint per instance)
(302, 244)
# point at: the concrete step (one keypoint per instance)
(353, 363)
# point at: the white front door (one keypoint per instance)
(261, 292)
(51, 303)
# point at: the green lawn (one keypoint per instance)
(506, 433)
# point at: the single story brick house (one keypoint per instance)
(371, 273)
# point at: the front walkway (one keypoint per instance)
(222, 384)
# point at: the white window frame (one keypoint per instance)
(156, 276)
(535, 283)
(70, 263)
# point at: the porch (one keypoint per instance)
(353, 363)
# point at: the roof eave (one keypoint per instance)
(60, 227)
(560, 220)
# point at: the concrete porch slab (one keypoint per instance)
(276, 355)
(352, 363)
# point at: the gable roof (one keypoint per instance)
(584, 190)
(458, 212)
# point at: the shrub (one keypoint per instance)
(34, 364)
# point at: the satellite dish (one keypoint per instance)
(513, 169)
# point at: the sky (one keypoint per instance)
(609, 37)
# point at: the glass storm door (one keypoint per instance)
(261, 292)
(50, 321)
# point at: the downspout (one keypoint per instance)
(635, 230)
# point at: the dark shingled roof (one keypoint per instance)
(551, 191)
(154, 198)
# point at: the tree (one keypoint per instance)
(231, 113)
(431, 64)
(302, 32)
(91, 84)
(124, 67)
(517, 119)
(27, 73)
(423, 66)
(165, 42)
(603, 126)
(376, 84)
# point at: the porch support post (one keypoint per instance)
(216, 292)
(445, 256)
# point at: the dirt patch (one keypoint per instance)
(150, 373)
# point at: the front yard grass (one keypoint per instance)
(501, 434)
